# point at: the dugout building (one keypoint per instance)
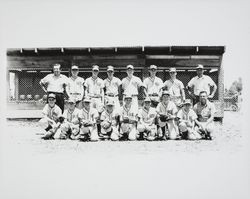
(27, 66)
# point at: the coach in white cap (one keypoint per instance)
(76, 86)
(130, 85)
(200, 83)
(153, 85)
(56, 83)
(175, 87)
(94, 89)
(111, 88)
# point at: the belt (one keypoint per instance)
(75, 93)
(176, 97)
(111, 95)
(153, 95)
(57, 93)
(95, 97)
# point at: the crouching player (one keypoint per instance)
(89, 115)
(51, 117)
(70, 126)
(109, 122)
(187, 117)
(167, 111)
(129, 118)
(146, 125)
(205, 111)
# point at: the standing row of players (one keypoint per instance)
(101, 116)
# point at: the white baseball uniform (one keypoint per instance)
(76, 88)
(153, 87)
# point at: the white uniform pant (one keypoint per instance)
(209, 127)
(151, 128)
(192, 132)
(44, 123)
(97, 104)
(92, 130)
(115, 133)
(66, 126)
(172, 128)
(130, 129)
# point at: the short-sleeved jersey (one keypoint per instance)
(76, 88)
(90, 115)
(94, 86)
(52, 113)
(164, 109)
(189, 116)
(204, 112)
(174, 87)
(112, 85)
(147, 116)
(54, 83)
(201, 84)
(131, 86)
(129, 112)
(153, 85)
(72, 116)
(110, 117)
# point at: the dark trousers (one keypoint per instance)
(59, 100)
(196, 100)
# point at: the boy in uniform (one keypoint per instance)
(71, 124)
(109, 122)
(51, 115)
(187, 117)
(146, 126)
(167, 111)
(89, 115)
(129, 117)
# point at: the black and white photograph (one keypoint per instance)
(124, 99)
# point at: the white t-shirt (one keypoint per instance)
(153, 85)
(131, 86)
(112, 85)
(54, 83)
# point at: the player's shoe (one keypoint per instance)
(48, 136)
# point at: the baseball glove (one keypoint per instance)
(106, 125)
(163, 118)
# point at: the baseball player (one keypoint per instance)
(71, 124)
(89, 115)
(200, 83)
(76, 86)
(109, 122)
(146, 125)
(51, 117)
(167, 111)
(56, 83)
(205, 111)
(94, 89)
(187, 117)
(129, 118)
(130, 86)
(111, 87)
(153, 85)
(175, 88)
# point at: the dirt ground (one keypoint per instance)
(35, 168)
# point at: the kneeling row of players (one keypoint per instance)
(160, 123)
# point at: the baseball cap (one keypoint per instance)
(200, 66)
(172, 70)
(130, 66)
(87, 99)
(74, 67)
(128, 96)
(51, 95)
(165, 93)
(110, 68)
(95, 67)
(147, 99)
(56, 66)
(110, 102)
(71, 100)
(152, 67)
(187, 101)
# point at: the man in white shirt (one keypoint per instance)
(56, 83)
(153, 86)
(200, 83)
(175, 88)
(130, 85)
(76, 86)
(111, 87)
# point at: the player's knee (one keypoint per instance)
(182, 127)
(141, 128)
